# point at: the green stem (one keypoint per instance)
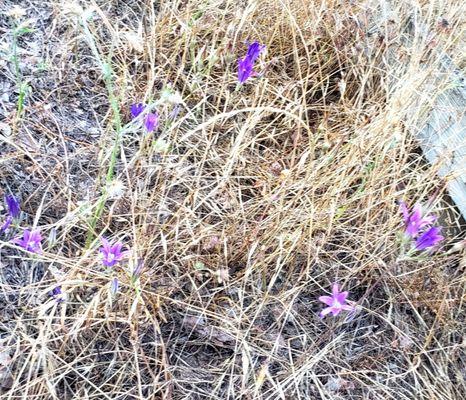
(108, 78)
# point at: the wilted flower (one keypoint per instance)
(115, 189)
(31, 241)
(151, 122)
(174, 113)
(114, 286)
(111, 253)
(246, 65)
(336, 302)
(137, 109)
(52, 239)
(137, 271)
(429, 238)
(415, 221)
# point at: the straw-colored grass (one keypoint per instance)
(253, 201)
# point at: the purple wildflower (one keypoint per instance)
(246, 65)
(415, 221)
(335, 302)
(429, 238)
(13, 206)
(57, 294)
(111, 253)
(151, 122)
(31, 241)
(137, 109)
(13, 212)
(254, 51)
(245, 69)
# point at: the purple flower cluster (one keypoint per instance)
(31, 240)
(246, 65)
(14, 211)
(151, 120)
(418, 228)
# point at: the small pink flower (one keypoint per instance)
(336, 302)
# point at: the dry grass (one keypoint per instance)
(266, 196)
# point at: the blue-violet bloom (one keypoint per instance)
(111, 253)
(137, 109)
(57, 294)
(13, 206)
(245, 69)
(246, 65)
(13, 212)
(429, 238)
(6, 224)
(254, 51)
(415, 221)
(31, 241)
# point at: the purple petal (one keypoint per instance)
(13, 206)
(26, 235)
(326, 300)
(36, 237)
(137, 109)
(108, 263)
(335, 289)
(341, 297)
(254, 51)
(335, 311)
(417, 212)
(106, 244)
(151, 122)
(245, 69)
(325, 312)
(427, 220)
(429, 238)
(116, 249)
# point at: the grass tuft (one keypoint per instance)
(239, 211)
